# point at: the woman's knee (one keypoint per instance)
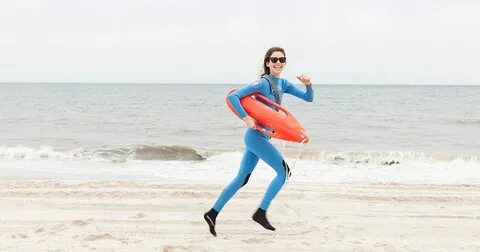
(283, 170)
(241, 180)
(288, 172)
(246, 179)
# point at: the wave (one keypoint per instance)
(186, 153)
(163, 153)
(142, 152)
(475, 122)
(386, 157)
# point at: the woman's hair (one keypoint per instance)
(268, 54)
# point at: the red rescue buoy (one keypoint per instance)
(283, 124)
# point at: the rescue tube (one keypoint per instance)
(283, 124)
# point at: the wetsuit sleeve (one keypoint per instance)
(235, 97)
(293, 90)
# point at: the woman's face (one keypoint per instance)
(277, 67)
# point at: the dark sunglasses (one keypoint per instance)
(275, 59)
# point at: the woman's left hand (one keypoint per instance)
(305, 79)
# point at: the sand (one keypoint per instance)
(75, 215)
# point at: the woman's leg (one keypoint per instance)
(257, 146)
(263, 149)
(249, 161)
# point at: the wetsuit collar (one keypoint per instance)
(273, 77)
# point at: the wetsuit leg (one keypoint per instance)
(260, 145)
(249, 161)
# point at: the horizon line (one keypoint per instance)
(206, 83)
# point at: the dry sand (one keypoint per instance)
(69, 215)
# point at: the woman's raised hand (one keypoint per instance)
(305, 79)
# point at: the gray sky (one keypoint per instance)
(335, 41)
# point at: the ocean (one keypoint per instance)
(358, 133)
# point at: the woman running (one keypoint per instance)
(257, 144)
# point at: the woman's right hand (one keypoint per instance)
(249, 122)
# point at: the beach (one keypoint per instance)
(141, 215)
(133, 167)
(116, 132)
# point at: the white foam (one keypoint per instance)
(224, 167)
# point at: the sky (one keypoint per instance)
(213, 41)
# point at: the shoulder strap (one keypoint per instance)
(273, 87)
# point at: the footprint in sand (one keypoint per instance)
(99, 237)
(104, 237)
(169, 248)
(256, 240)
(139, 216)
(79, 223)
(64, 226)
(23, 236)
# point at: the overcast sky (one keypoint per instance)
(335, 41)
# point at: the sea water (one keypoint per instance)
(359, 133)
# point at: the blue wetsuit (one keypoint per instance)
(257, 144)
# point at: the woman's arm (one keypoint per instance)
(246, 90)
(307, 95)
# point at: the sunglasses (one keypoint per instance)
(275, 59)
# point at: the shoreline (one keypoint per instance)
(153, 215)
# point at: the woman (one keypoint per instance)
(257, 144)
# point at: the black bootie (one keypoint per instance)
(210, 217)
(261, 218)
